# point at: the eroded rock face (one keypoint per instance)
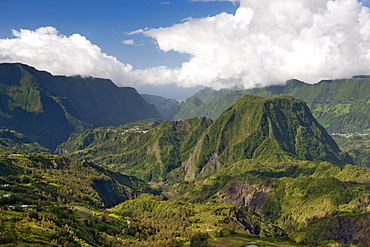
(212, 166)
(241, 194)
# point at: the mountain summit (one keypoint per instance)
(270, 129)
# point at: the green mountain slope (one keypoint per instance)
(357, 145)
(312, 203)
(177, 221)
(213, 103)
(339, 105)
(49, 108)
(264, 129)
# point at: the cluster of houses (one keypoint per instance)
(11, 207)
(14, 207)
(135, 129)
(351, 135)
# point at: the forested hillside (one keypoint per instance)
(265, 164)
(43, 179)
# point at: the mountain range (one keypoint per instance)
(261, 171)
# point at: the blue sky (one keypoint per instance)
(186, 45)
(107, 23)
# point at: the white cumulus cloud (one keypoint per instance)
(268, 42)
(46, 49)
(128, 42)
(131, 42)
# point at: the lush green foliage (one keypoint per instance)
(141, 150)
(303, 198)
(36, 179)
(151, 219)
(263, 167)
(313, 202)
(59, 226)
(45, 189)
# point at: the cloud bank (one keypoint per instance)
(264, 43)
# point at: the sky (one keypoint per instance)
(174, 48)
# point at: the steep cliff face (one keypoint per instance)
(49, 108)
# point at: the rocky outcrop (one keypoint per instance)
(212, 166)
(241, 194)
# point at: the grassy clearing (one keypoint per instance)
(83, 213)
(342, 108)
